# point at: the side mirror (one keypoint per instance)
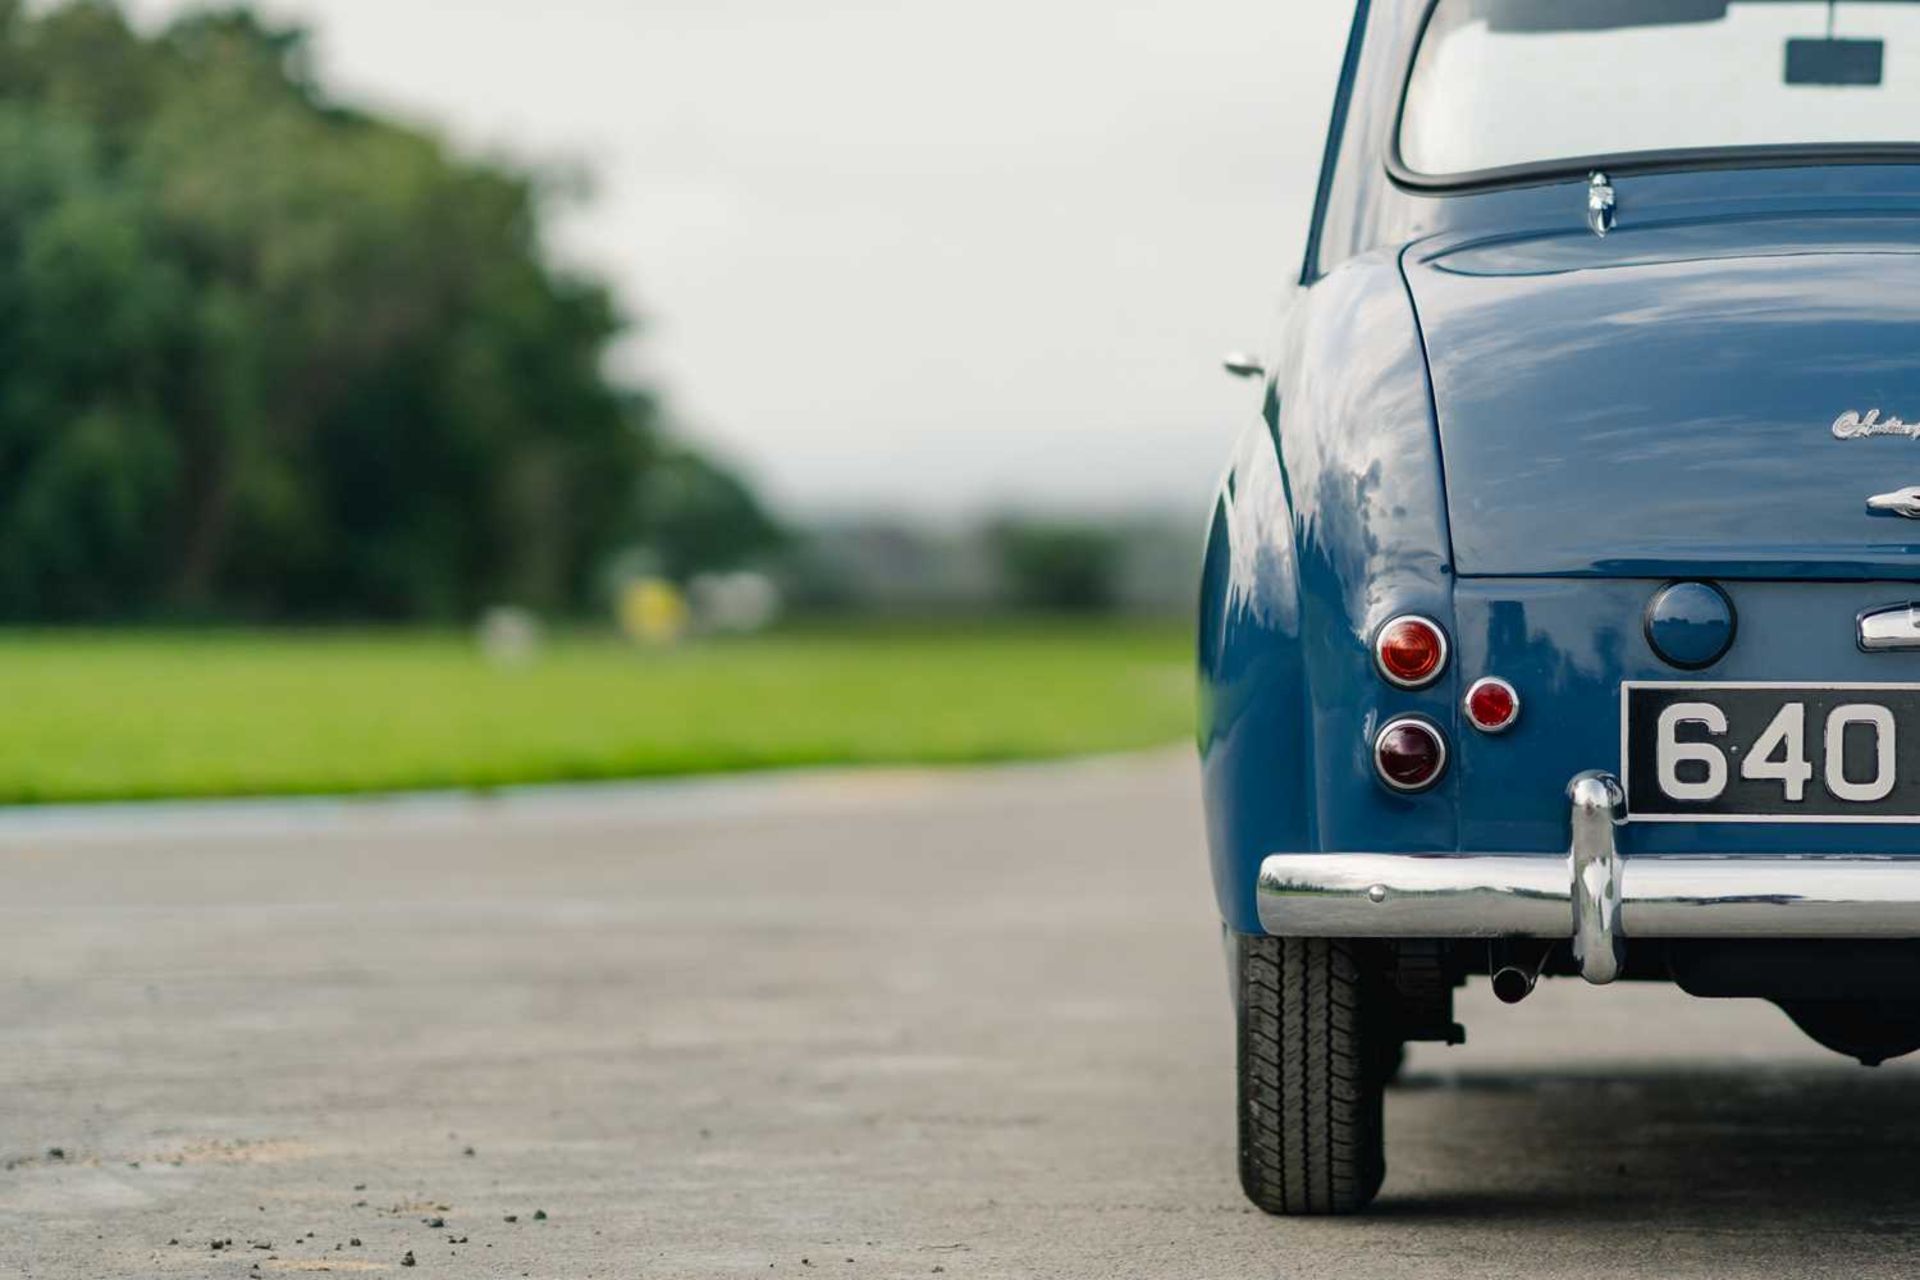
(1242, 365)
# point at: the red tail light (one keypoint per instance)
(1409, 753)
(1492, 704)
(1410, 651)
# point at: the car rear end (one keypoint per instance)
(1666, 327)
(1672, 463)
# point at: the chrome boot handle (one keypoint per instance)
(1901, 502)
(1894, 626)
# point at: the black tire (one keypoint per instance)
(1313, 1055)
(1393, 1059)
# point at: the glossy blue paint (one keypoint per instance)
(1662, 401)
(1567, 643)
(1480, 412)
(1315, 545)
(1690, 624)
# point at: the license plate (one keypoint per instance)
(1748, 752)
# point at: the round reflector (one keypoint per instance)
(1492, 704)
(1410, 651)
(1409, 754)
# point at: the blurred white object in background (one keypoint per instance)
(742, 601)
(510, 636)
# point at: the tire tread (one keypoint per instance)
(1310, 1110)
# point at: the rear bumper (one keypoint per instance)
(1592, 894)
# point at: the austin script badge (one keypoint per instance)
(1851, 424)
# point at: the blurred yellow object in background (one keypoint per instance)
(652, 611)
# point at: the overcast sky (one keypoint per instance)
(914, 255)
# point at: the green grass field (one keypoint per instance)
(124, 715)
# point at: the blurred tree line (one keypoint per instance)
(265, 356)
(1057, 565)
(1015, 561)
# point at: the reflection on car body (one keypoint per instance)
(1551, 622)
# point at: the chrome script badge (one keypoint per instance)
(1852, 424)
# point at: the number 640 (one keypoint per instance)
(1780, 752)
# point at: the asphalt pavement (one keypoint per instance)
(883, 1024)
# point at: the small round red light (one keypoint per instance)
(1492, 705)
(1410, 651)
(1409, 754)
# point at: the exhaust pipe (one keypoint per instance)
(1512, 984)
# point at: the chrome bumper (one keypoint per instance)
(1593, 894)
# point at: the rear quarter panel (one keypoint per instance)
(1330, 520)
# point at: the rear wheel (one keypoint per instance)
(1315, 1051)
(1392, 1060)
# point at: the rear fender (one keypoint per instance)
(1331, 520)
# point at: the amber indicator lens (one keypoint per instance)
(1410, 651)
(1409, 754)
(1492, 704)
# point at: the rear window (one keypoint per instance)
(1501, 83)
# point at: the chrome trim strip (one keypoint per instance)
(1594, 894)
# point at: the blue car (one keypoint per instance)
(1561, 610)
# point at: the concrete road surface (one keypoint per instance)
(896, 1024)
